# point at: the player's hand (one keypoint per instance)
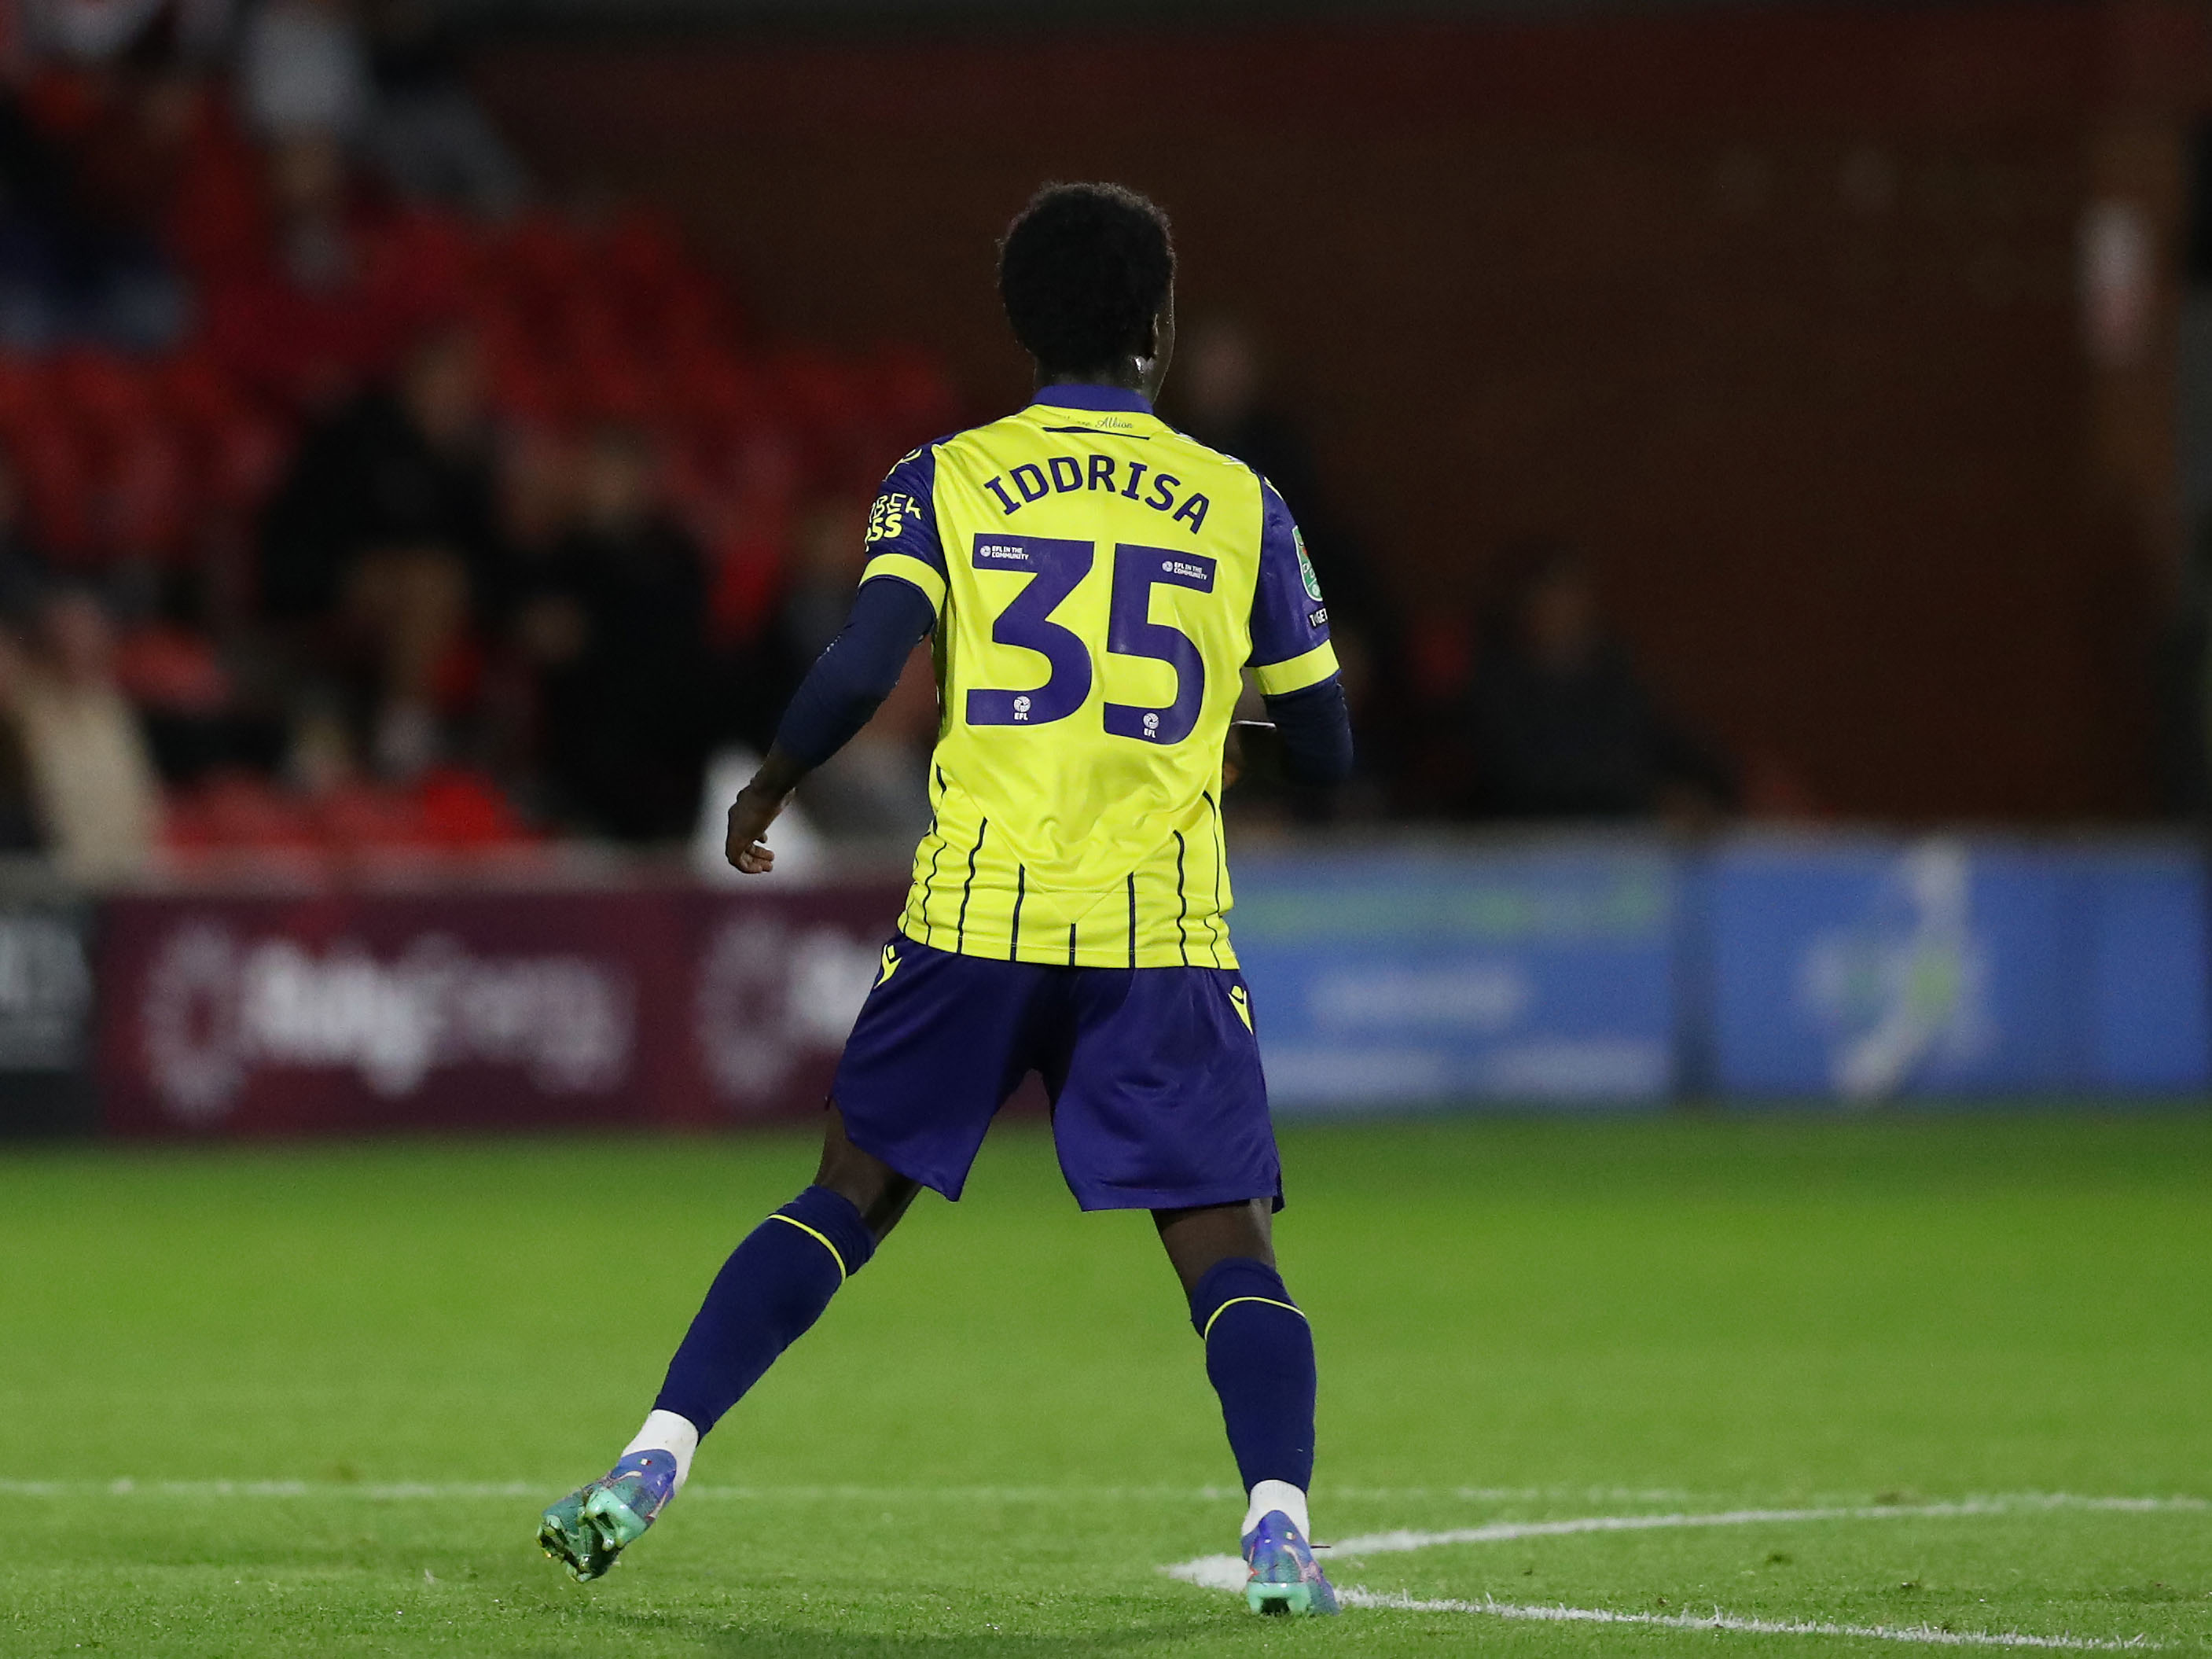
(750, 814)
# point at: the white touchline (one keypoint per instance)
(1718, 1620)
(1227, 1573)
(1387, 1543)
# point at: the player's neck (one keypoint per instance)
(1141, 375)
(1122, 379)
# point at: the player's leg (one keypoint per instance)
(1160, 1104)
(777, 1283)
(937, 1048)
(1260, 1359)
(768, 1293)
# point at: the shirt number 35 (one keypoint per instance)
(1056, 568)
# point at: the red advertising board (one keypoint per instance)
(359, 1013)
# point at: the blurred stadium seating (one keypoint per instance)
(150, 467)
(1637, 381)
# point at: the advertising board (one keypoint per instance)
(359, 1013)
(1871, 970)
(1540, 973)
(1547, 973)
(45, 1013)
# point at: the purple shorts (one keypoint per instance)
(1157, 1099)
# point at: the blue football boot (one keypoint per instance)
(1285, 1576)
(592, 1525)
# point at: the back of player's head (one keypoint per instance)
(1083, 271)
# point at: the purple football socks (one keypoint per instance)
(767, 1295)
(1260, 1359)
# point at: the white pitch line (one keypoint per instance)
(1730, 1621)
(1227, 1573)
(1390, 1543)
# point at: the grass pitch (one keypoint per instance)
(1001, 1430)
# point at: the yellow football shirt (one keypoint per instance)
(1100, 581)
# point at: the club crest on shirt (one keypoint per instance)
(1305, 566)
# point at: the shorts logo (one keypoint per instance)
(1243, 1003)
(890, 963)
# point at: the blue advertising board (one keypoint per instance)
(1542, 974)
(2150, 1004)
(1874, 969)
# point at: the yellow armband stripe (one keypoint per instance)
(1266, 1301)
(1297, 672)
(817, 1239)
(911, 571)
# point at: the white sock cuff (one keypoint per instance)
(667, 1431)
(1271, 1495)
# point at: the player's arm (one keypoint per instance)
(1305, 740)
(1309, 741)
(901, 589)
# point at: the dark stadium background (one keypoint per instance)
(1845, 365)
(1740, 1044)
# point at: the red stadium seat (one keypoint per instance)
(360, 816)
(144, 500)
(138, 482)
(166, 667)
(463, 810)
(57, 486)
(238, 810)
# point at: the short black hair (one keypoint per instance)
(1084, 269)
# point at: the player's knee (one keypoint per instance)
(1197, 1239)
(877, 1191)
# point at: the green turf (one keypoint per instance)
(1002, 1429)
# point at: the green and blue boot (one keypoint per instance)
(1283, 1576)
(592, 1525)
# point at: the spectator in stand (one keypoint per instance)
(303, 71)
(302, 324)
(23, 585)
(427, 134)
(19, 812)
(337, 286)
(380, 542)
(1558, 723)
(384, 81)
(23, 568)
(87, 166)
(35, 188)
(1219, 389)
(104, 30)
(614, 615)
(91, 782)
